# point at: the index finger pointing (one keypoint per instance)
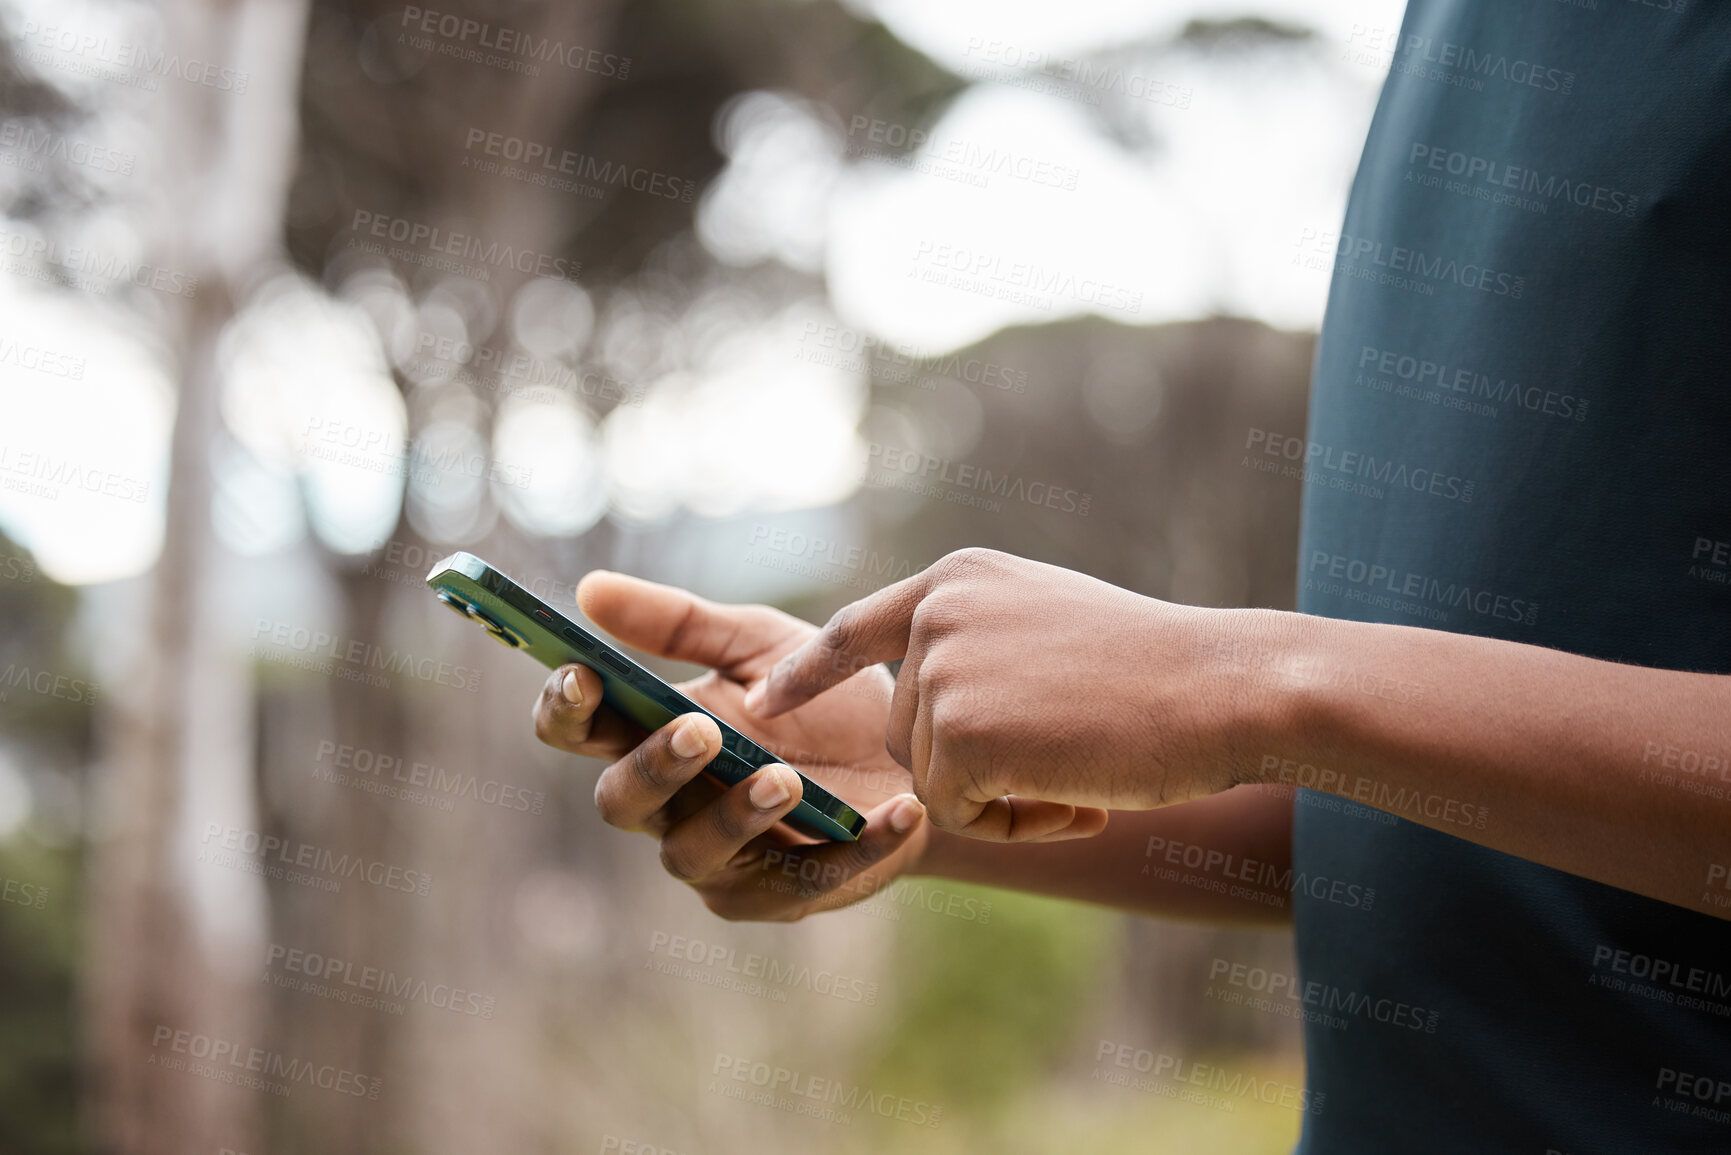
(871, 630)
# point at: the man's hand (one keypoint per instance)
(1030, 697)
(724, 841)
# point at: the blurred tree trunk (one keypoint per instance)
(224, 159)
(397, 149)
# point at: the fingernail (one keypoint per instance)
(906, 813)
(687, 741)
(754, 696)
(770, 790)
(572, 691)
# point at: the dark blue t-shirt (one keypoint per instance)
(1520, 428)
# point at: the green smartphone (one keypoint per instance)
(517, 618)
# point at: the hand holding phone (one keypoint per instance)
(742, 862)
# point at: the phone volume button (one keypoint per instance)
(615, 663)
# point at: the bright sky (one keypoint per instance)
(1018, 210)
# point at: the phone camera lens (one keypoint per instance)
(501, 633)
(454, 603)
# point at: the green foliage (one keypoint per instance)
(35, 616)
(39, 1074)
(982, 1009)
(45, 719)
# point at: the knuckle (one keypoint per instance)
(929, 679)
(839, 638)
(729, 824)
(958, 724)
(678, 863)
(604, 804)
(896, 743)
(940, 612)
(645, 764)
(961, 562)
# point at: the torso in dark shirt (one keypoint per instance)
(1520, 428)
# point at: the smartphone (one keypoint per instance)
(517, 618)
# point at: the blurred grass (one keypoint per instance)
(991, 1019)
(987, 1006)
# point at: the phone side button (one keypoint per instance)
(577, 639)
(615, 663)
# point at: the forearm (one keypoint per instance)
(1583, 765)
(1226, 858)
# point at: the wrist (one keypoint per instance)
(1271, 666)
